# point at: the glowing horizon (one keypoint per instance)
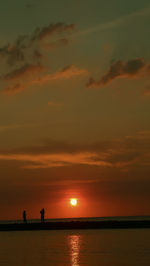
(75, 105)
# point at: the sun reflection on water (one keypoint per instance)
(74, 244)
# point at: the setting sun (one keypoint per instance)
(73, 202)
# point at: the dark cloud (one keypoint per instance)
(45, 32)
(28, 44)
(13, 53)
(21, 77)
(30, 75)
(25, 56)
(37, 55)
(119, 69)
(24, 71)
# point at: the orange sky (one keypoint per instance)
(74, 108)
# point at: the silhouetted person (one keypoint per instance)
(24, 216)
(42, 212)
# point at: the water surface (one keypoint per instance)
(75, 248)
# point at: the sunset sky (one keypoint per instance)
(74, 108)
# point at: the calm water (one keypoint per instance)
(75, 248)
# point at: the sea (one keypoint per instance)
(108, 247)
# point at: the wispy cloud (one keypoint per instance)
(117, 22)
(55, 160)
(123, 154)
(65, 73)
(16, 126)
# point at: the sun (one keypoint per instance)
(73, 202)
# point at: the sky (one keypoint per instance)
(74, 108)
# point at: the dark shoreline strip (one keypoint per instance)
(75, 225)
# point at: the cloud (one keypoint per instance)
(45, 32)
(116, 22)
(26, 56)
(119, 69)
(23, 72)
(32, 78)
(16, 126)
(65, 73)
(27, 46)
(13, 89)
(20, 77)
(14, 53)
(55, 160)
(122, 154)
